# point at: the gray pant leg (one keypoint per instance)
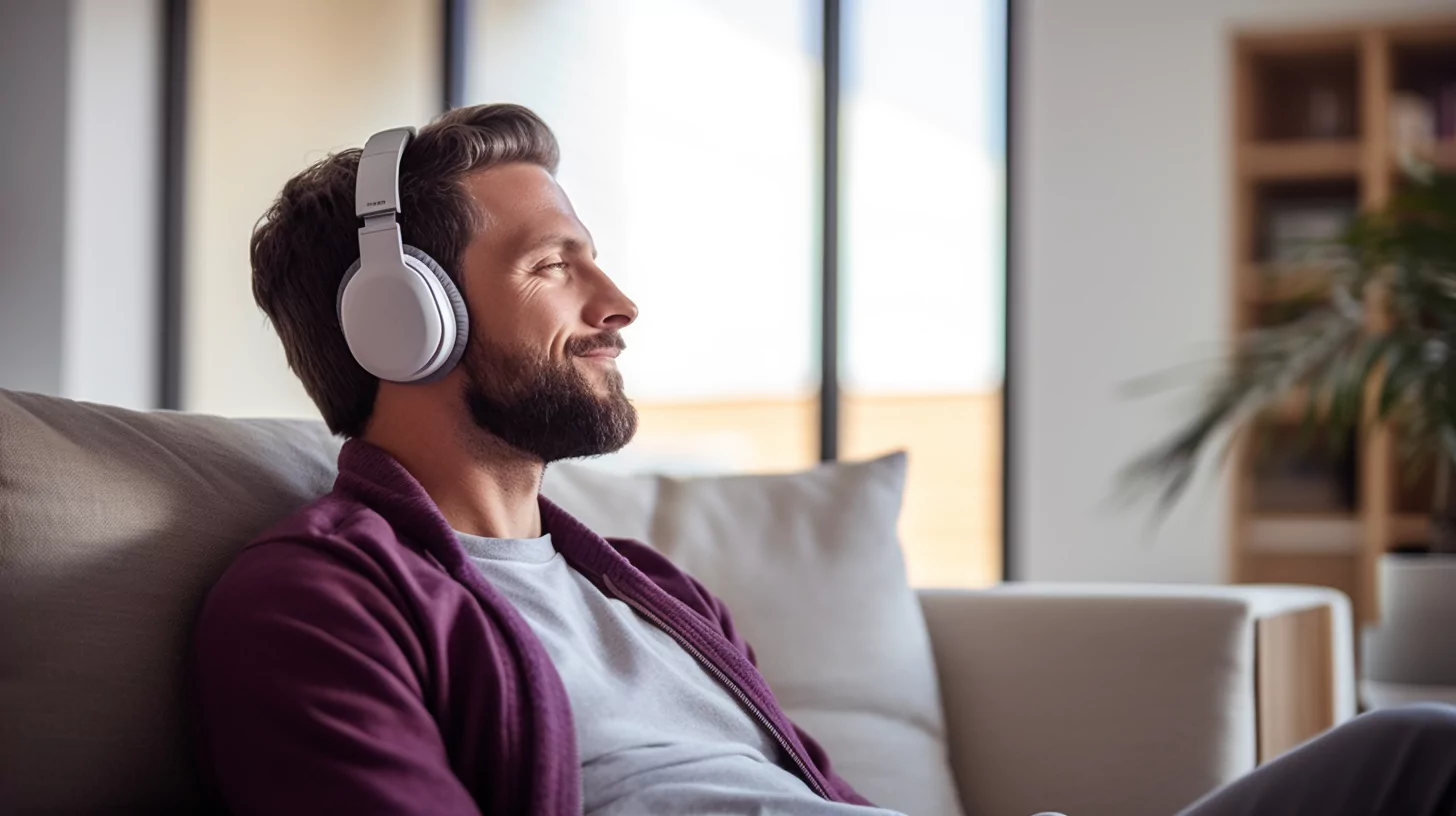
(1400, 762)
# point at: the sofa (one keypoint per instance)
(1087, 699)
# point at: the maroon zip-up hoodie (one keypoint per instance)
(353, 660)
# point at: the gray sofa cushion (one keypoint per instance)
(113, 524)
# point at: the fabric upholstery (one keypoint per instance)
(1108, 700)
(809, 564)
(611, 504)
(113, 524)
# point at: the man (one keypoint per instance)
(434, 637)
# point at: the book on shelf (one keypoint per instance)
(1299, 234)
(1412, 127)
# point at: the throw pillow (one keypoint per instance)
(810, 566)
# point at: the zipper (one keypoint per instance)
(725, 680)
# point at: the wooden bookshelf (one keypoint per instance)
(1312, 134)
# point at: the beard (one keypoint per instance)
(544, 408)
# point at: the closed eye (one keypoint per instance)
(556, 265)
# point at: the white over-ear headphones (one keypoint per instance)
(402, 316)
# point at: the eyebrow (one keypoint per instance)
(566, 241)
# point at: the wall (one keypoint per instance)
(33, 75)
(79, 91)
(113, 206)
(275, 85)
(1121, 208)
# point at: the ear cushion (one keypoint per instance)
(457, 302)
(421, 260)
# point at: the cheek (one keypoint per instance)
(530, 314)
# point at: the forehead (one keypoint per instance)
(519, 201)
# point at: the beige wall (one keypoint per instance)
(276, 84)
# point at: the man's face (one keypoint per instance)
(540, 371)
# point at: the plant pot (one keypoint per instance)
(1407, 655)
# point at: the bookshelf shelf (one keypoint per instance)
(1335, 533)
(1407, 528)
(1276, 283)
(1310, 159)
(1444, 156)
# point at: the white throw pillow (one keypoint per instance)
(611, 504)
(810, 566)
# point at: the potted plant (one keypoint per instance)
(1378, 345)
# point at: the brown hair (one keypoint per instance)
(308, 238)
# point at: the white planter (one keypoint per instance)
(1409, 655)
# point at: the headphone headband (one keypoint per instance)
(376, 190)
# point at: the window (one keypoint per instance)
(923, 270)
(694, 136)
(689, 132)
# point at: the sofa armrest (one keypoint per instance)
(1106, 699)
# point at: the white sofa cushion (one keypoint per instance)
(810, 566)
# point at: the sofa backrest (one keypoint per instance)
(113, 524)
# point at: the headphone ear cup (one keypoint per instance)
(423, 279)
(421, 261)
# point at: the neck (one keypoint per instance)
(481, 485)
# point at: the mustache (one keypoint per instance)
(608, 339)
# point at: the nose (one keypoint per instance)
(609, 308)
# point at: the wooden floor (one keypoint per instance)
(951, 523)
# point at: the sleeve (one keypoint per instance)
(305, 695)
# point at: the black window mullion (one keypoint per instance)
(1010, 568)
(176, 28)
(454, 32)
(829, 240)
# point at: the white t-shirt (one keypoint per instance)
(656, 732)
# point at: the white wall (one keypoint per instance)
(113, 175)
(79, 91)
(1122, 187)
